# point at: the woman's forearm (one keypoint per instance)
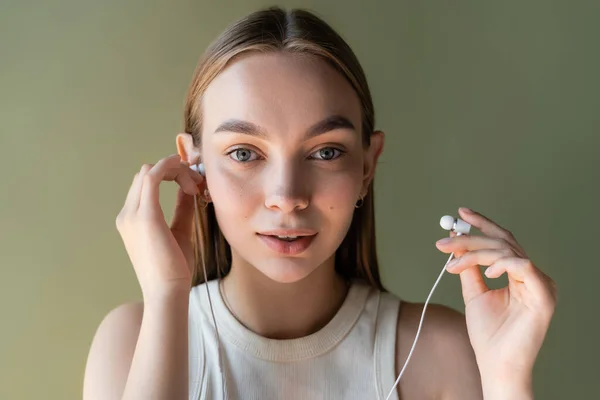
(159, 369)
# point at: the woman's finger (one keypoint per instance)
(132, 201)
(464, 243)
(489, 227)
(152, 180)
(522, 270)
(189, 180)
(167, 169)
(183, 217)
(478, 257)
(457, 253)
(472, 283)
(471, 280)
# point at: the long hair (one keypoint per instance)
(300, 32)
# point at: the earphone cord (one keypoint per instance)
(420, 325)
(199, 243)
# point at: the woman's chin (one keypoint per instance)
(286, 271)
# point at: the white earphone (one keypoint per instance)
(198, 168)
(457, 225)
(447, 222)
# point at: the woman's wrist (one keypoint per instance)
(166, 295)
(503, 386)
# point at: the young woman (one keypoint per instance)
(280, 114)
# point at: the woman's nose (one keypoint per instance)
(287, 189)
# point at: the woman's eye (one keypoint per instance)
(241, 154)
(327, 153)
(244, 155)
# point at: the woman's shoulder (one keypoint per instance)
(111, 351)
(443, 357)
(440, 320)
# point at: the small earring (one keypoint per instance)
(359, 203)
(204, 198)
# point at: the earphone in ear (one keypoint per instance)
(460, 227)
(198, 168)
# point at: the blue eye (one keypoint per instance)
(241, 154)
(328, 153)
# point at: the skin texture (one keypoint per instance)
(282, 178)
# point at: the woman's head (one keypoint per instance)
(280, 114)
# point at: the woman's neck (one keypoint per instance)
(284, 310)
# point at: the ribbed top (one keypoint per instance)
(351, 358)
(289, 349)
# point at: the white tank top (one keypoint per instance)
(352, 357)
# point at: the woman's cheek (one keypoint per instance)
(233, 193)
(338, 191)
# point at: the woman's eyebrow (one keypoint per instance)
(248, 128)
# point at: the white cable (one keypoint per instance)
(208, 293)
(420, 325)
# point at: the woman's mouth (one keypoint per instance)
(287, 244)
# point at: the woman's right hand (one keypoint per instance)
(162, 256)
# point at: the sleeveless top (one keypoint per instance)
(351, 357)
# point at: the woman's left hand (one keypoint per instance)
(506, 326)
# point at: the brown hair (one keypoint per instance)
(300, 32)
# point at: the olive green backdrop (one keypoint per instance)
(491, 105)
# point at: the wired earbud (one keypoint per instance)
(459, 227)
(456, 225)
(199, 168)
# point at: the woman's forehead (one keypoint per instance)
(279, 89)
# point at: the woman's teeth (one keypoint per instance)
(288, 238)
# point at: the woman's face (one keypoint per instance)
(282, 149)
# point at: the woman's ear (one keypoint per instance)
(371, 156)
(186, 149)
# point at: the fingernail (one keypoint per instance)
(444, 241)
(467, 210)
(452, 263)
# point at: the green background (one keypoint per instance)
(491, 105)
